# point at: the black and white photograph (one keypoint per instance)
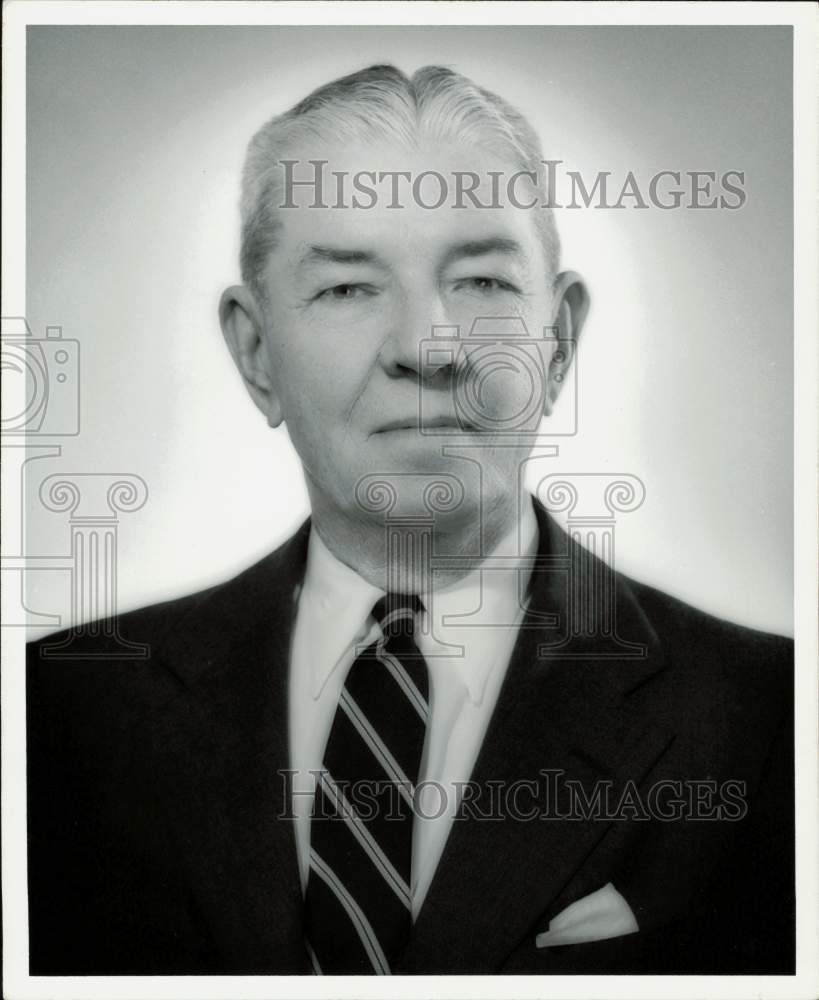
(409, 485)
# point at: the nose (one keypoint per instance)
(408, 350)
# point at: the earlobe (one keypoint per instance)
(242, 323)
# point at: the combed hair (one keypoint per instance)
(373, 104)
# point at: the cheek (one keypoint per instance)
(298, 361)
(321, 363)
(316, 386)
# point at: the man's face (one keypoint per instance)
(352, 296)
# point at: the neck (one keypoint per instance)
(390, 554)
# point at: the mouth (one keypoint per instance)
(426, 424)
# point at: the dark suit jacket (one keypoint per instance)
(156, 837)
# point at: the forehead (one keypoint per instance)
(401, 202)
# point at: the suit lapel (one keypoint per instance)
(570, 713)
(220, 759)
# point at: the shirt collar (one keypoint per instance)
(339, 602)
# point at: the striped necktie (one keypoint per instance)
(358, 900)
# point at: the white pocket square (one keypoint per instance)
(596, 917)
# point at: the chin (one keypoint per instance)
(411, 476)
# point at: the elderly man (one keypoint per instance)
(383, 749)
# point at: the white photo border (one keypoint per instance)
(17, 15)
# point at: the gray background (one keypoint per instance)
(135, 142)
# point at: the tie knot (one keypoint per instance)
(395, 613)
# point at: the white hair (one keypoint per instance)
(373, 104)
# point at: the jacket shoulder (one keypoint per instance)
(678, 617)
(155, 624)
(716, 655)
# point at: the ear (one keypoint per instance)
(243, 326)
(571, 304)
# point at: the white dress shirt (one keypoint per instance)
(334, 617)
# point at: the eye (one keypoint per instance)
(485, 284)
(343, 293)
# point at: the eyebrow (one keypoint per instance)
(336, 255)
(478, 248)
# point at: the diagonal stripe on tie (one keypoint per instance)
(358, 904)
(399, 674)
(392, 769)
(361, 924)
(359, 830)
